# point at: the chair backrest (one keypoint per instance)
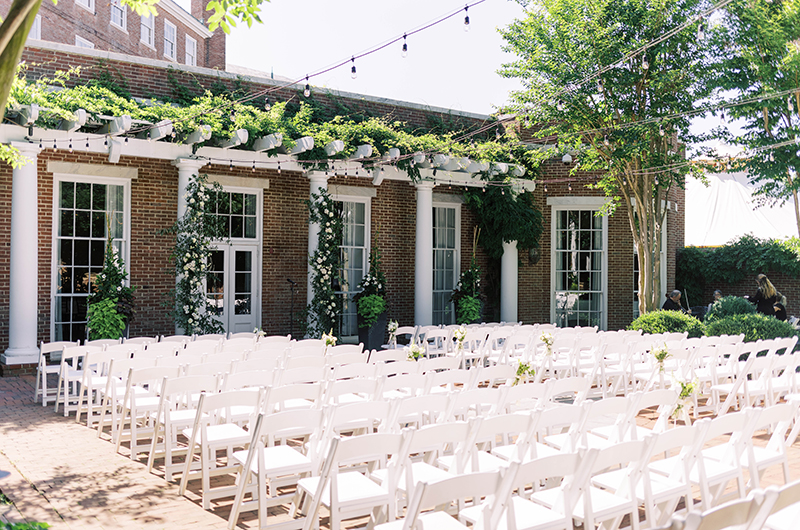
(224, 356)
(102, 342)
(178, 392)
(484, 400)
(570, 388)
(314, 350)
(438, 363)
(345, 348)
(176, 338)
(365, 415)
(397, 368)
(239, 343)
(255, 364)
(413, 384)
(421, 410)
(304, 343)
(294, 396)
(346, 358)
(140, 340)
(247, 379)
(407, 333)
(520, 394)
(304, 375)
(211, 336)
(450, 378)
(308, 361)
(216, 408)
(350, 371)
(735, 515)
(365, 387)
(243, 335)
(382, 356)
(55, 349)
(441, 493)
(208, 368)
(163, 349)
(201, 346)
(275, 339)
(492, 375)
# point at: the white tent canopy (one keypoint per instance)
(726, 210)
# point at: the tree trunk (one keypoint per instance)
(795, 200)
(13, 34)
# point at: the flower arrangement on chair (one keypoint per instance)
(415, 351)
(548, 341)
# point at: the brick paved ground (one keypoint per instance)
(61, 473)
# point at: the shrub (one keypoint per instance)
(729, 306)
(370, 307)
(105, 322)
(755, 326)
(668, 322)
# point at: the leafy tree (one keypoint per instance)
(764, 61)
(582, 88)
(17, 24)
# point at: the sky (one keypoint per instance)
(445, 67)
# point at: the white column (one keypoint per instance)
(318, 181)
(23, 296)
(423, 261)
(187, 168)
(509, 282)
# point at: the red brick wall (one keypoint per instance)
(62, 21)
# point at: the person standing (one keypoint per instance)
(766, 297)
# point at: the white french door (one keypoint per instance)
(231, 287)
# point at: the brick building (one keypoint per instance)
(174, 35)
(43, 285)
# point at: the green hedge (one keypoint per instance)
(668, 322)
(755, 326)
(729, 306)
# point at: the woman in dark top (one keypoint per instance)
(780, 311)
(766, 296)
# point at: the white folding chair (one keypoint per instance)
(351, 493)
(70, 373)
(48, 351)
(213, 431)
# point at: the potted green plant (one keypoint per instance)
(467, 295)
(110, 306)
(371, 304)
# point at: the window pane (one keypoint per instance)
(237, 203)
(66, 223)
(250, 227)
(98, 224)
(98, 196)
(97, 254)
(250, 205)
(67, 195)
(83, 195)
(81, 252)
(82, 219)
(237, 226)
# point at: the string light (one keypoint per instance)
(771, 157)
(661, 129)
(231, 165)
(790, 104)
(40, 144)
(404, 52)
(307, 90)
(545, 188)
(87, 143)
(484, 188)
(267, 106)
(606, 140)
(54, 145)
(126, 139)
(656, 181)
(70, 145)
(105, 143)
(254, 166)
(569, 186)
(466, 18)
(279, 168)
(560, 106)
(353, 73)
(701, 31)
(645, 64)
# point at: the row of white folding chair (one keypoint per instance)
(48, 351)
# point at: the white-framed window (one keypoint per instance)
(446, 260)
(191, 51)
(84, 208)
(36, 28)
(148, 30)
(86, 4)
(354, 256)
(83, 43)
(170, 39)
(579, 262)
(119, 14)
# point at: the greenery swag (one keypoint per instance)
(194, 232)
(326, 306)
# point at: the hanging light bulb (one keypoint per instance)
(789, 103)
(466, 18)
(484, 188)
(231, 165)
(569, 186)
(656, 180)
(279, 168)
(353, 73)
(722, 116)
(545, 188)
(126, 139)
(606, 141)
(600, 85)
(70, 145)
(661, 130)
(502, 192)
(87, 143)
(54, 145)
(771, 157)
(105, 143)
(307, 90)
(498, 132)
(560, 106)
(267, 106)
(254, 166)
(404, 51)
(645, 64)
(40, 144)
(701, 31)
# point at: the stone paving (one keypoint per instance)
(59, 472)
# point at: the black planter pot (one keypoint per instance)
(373, 336)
